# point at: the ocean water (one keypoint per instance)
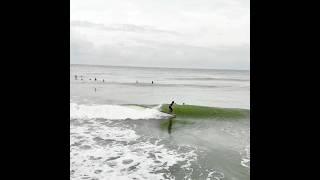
(119, 128)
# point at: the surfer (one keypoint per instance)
(170, 106)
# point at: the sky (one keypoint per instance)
(161, 33)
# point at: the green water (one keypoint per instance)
(203, 112)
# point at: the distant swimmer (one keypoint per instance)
(152, 82)
(95, 79)
(75, 77)
(170, 106)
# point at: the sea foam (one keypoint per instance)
(114, 112)
(98, 151)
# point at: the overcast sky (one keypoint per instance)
(161, 33)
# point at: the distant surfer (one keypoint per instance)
(170, 106)
(152, 82)
(95, 79)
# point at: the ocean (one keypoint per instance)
(120, 127)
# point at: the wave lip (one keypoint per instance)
(114, 112)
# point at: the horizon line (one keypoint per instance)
(132, 66)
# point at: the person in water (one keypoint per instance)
(170, 106)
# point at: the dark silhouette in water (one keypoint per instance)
(95, 89)
(75, 77)
(152, 82)
(170, 106)
(102, 80)
(90, 79)
(170, 126)
(95, 79)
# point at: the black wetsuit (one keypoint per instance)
(170, 107)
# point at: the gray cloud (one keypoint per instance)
(122, 27)
(152, 53)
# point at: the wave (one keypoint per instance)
(114, 112)
(192, 111)
(134, 112)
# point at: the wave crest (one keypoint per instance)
(114, 112)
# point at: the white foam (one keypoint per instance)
(114, 112)
(124, 157)
(245, 161)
